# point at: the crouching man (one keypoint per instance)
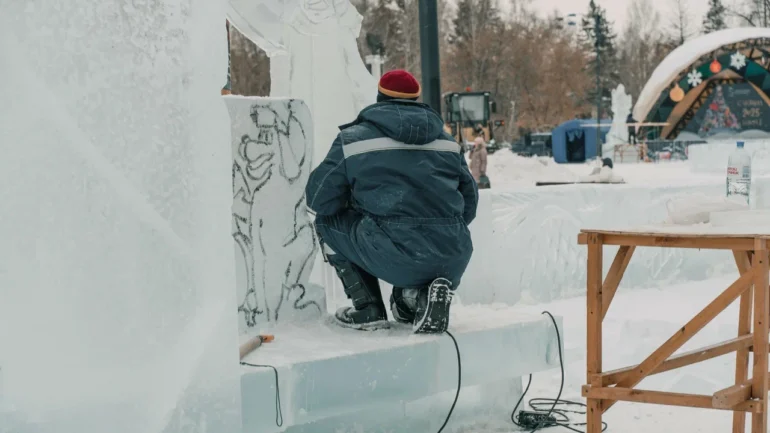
(393, 200)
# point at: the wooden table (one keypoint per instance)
(748, 394)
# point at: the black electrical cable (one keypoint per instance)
(459, 381)
(278, 412)
(548, 418)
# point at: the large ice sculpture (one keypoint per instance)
(621, 107)
(116, 261)
(274, 237)
(313, 57)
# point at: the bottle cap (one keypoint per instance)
(740, 144)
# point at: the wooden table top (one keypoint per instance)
(702, 236)
(686, 231)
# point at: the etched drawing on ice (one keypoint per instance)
(275, 241)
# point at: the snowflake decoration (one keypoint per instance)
(738, 60)
(694, 78)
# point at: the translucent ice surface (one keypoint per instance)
(117, 301)
(313, 57)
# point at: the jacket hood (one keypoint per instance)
(404, 121)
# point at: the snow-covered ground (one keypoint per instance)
(638, 322)
(508, 171)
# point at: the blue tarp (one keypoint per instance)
(573, 141)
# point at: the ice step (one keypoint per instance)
(330, 376)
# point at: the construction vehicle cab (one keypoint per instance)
(468, 114)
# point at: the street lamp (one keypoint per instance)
(572, 21)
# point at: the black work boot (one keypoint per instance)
(368, 310)
(432, 315)
(403, 304)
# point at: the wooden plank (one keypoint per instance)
(669, 231)
(759, 388)
(674, 241)
(594, 327)
(615, 275)
(663, 398)
(686, 332)
(743, 262)
(732, 396)
(743, 342)
(577, 183)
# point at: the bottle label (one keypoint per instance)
(732, 171)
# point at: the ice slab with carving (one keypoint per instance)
(116, 261)
(333, 379)
(313, 57)
(275, 243)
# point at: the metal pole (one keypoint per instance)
(429, 54)
(599, 151)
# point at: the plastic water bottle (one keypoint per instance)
(739, 173)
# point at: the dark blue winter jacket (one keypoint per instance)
(407, 178)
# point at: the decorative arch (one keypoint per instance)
(745, 58)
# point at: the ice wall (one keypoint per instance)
(116, 261)
(275, 243)
(313, 57)
(711, 157)
(532, 255)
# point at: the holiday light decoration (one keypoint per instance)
(676, 94)
(715, 67)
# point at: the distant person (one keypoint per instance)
(631, 129)
(478, 158)
(393, 200)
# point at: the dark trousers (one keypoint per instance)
(378, 247)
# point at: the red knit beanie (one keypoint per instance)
(399, 84)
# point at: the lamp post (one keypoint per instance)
(429, 54)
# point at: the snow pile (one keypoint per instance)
(525, 246)
(697, 208)
(117, 278)
(508, 170)
(666, 173)
(712, 157)
(602, 175)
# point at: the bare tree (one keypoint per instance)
(642, 47)
(249, 66)
(754, 13)
(681, 22)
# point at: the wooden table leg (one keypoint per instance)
(744, 328)
(759, 373)
(594, 328)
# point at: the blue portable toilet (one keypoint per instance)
(574, 141)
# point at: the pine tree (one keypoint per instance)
(473, 16)
(383, 31)
(601, 37)
(715, 17)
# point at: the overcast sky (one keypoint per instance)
(616, 9)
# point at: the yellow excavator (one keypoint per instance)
(467, 114)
